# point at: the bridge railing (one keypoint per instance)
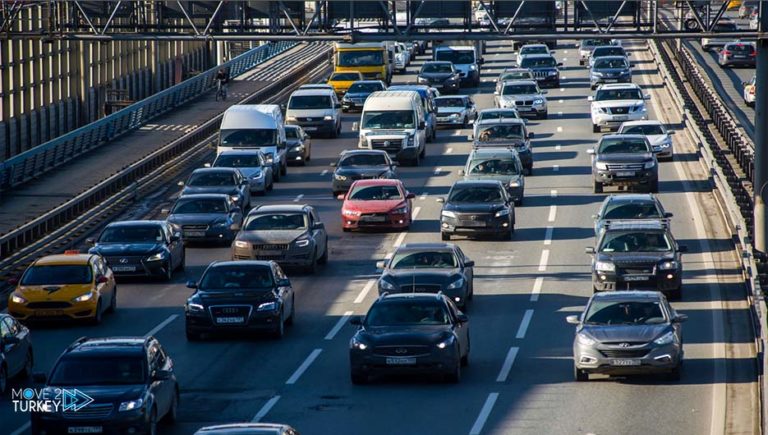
(49, 155)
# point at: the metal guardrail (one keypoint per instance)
(47, 156)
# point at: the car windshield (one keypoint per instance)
(309, 102)
(408, 313)
(365, 88)
(632, 210)
(291, 133)
(516, 75)
(457, 57)
(610, 63)
(390, 119)
(132, 234)
(240, 161)
(618, 94)
(500, 132)
(534, 49)
(224, 278)
(191, 206)
(742, 48)
(364, 160)
(450, 102)
(493, 167)
(58, 274)
(635, 241)
(424, 260)
(619, 146)
(591, 43)
(519, 89)
(645, 129)
(375, 193)
(624, 313)
(360, 58)
(276, 222)
(494, 114)
(252, 137)
(102, 370)
(475, 194)
(538, 62)
(211, 179)
(608, 51)
(439, 68)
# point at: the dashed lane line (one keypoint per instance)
(543, 260)
(22, 429)
(438, 170)
(507, 366)
(298, 198)
(449, 150)
(536, 290)
(553, 193)
(558, 147)
(548, 235)
(364, 292)
(559, 129)
(552, 213)
(399, 240)
(162, 325)
(324, 173)
(265, 409)
(423, 196)
(523, 328)
(415, 213)
(477, 428)
(555, 168)
(303, 367)
(340, 324)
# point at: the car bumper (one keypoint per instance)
(390, 221)
(258, 321)
(449, 121)
(408, 153)
(740, 62)
(663, 281)
(487, 226)
(295, 156)
(614, 121)
(292, 257)
(663, 152)
(528, 110)
(451, 86)
(471, 77)
(136, 267)
(257, 184)
(352, 105)
(548, 81)
(595, 81)
(612, 178)
(436, 362)
(660, 359)
(115, 423)
(80, 310)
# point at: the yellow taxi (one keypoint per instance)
(71, 285)
(341, 81)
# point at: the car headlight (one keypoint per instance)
(502, 212)
(327, 118)
(302, 243)
(257, 175)
(473, 67)
(299, 147)
(130, 405)
(242, 244)
(157, 257)
(351, 213)
(340, 177)
(601, 166)
(454, 115)
(666, 144)
(400, 210)
(233, 198)
(267, 306)
(668, 265)
(459, 283)
(667, 338)
(221, 224)
(605, 266)
(356, 343)
(585, 339)
(597, 73)
(649, 165)
(538, 101)
(386, 285)
(446, 343)
(639, 108)
(83, 298)
(411, 140)
(515, 184)
(290, 119)
(16, 299)
(552, 73)
(191, 306)
(270, 157)
(448, 213)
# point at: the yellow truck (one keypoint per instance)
(371, 59)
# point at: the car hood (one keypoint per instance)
(382, 206)
(624, 157)
(228, 296)
(657, 139)
(193, 190)
(421, 276)
(196, 218)
(358, 94)
(395, 134)
(249, 172)
(473, 207)
(450, 109)
(105, 393)
(625, 333)
(406, 335)
(635, 257)
(271, 237)
(112, 249)
(437, 76)
(369, 171)
(505, 179)
(617, 103)
(292, 142)
(521, 97)
(611, 70)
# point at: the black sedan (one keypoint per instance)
(477, 207)
(355, 97)
(206, 218)
(140, 248)
(410, 333)
(441, 75)
(360, 165)
(16, 357)
(299, 145)
(429, 268)
(240, 296)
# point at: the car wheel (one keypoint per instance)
(29, 364)
(113, 301)
(99, 315)
(312, 266)
(528, 171)
(289, 320)
(358, 378)
(324, 258)
(151, 428)
(168, 270)
(423, 152)
(676, 294)
(279, 331)
(597, 187)
(454, 377)
(271, 185)
(595, 128)
(346, 230)
(676, 373)
(465, 123)
(173, 411)
(544, 115)
(284, 170)
(445, 236)
(192, 335)
(579, 375)
(509, 235)
(465, 358)
(519, 202)
(276, 176)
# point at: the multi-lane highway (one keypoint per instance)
(520, 379)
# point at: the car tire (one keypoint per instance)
(279, 331)
(172, 415)
(276, 176)
(423, 153)
(302, 162)
(284, 170)
(445, 237)
(324, 258)
(676, 294)
(465, 122)
(358, 378)
(346, 230)
(519, 203)
(528, 171)
(509, 235)
(99, 315)
(676, 373)
(465, 358)
(113, 301)
(3, 380)
(168, 270)
(579, 375)
(597, 187)
(653, 187)
(311, 268)
(596, 128)
(192, 335)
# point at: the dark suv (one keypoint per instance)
(130, 380)
(624, 160)
(410, 333)
(636, 255)
(477, 207)
(544, 67)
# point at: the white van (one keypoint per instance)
(393, 121)
(315, 110)
(255, 126)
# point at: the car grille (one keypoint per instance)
(47, 305)
(540, 74)
(624, 353)
(363, 177)
(622, 110)
(387, 144)
(401, 350)
(421, 288)
(91, 411)
(635, 270)
(271, 247)
(242, 257)
(373, 219)
(523, 102)
(194, 227)
(124, 260)
(625, 166)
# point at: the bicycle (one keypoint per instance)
(221, 91)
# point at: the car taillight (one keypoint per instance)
(753, 54)
(726, 53)
(752, 91)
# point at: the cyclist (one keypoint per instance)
(222, 78)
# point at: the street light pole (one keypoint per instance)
(760, 184)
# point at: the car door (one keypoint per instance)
(284, 292)
(15, 353)
(104, 289)
(174, 243)
(461, 329)
(319, 234)
(469, 271)
(471, 108)
(162, 389)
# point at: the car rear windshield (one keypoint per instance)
(276, 222)
(309, 102)
(632, 210)
(741, 48)
(482, 116)
(363, 160)
(589, 43)
(223, 278)
(608, 51)
(624, 313)
(493, 167)
(620, 146)
(291, 133)
(635, 241)
(375, 193)
(450, 102)
(363, 88)
(58, 274)
(500, 132)
(101, 370)
(431, 68)
(252, 137)
(132, 234)
(538, 62)
(191, 206)
(395, 313)
(390, 119)
(475, 194)
(534, 49)
(519, 89)
(610, 63)
(645, 129)
(516, 75)
(358, 58)
(240, 161)
(618, 94)
(211, 179)
(457, 57)
(424, 260)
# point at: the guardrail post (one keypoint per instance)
(761, 137)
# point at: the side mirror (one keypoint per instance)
(11, 339)
(13, 281)
(591, 151)
(668, 215)
(356, 321)
(180, 184)
(590, 98)
(559, 64)
(480, 61)
(337, 106)
(530, 135)
(355, 126)
(90, 241)
(573, 319)
(471, 137)
(461, 172)
(332, 164)
(161, 375)
(743, 83)
(191, 284)
(682, 248)
(647, 96)
(165, 211)
(395, 164)
(341, 196)
(381, 264)
(101, 279)
(589, 250)
(469, 263)
(680, 318)
(284, 283)
(441, 200)
(410, 195)
(206, 165)
(422, 125)
(318, 226)
(462, 318)
(236, 210)
(495, 92)
(176, 237)
(671, 132)
(39, 378)
(235, 226)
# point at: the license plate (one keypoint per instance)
(85, 429)
(271, 252)
(401, 361)
(194, 233)
(625, 362)
(620, 118)
(373, 218)
(625, 174)
(229, 320)
(610, 80)
(123, 268)
(739, 56)
(49, 313)
(472, 223)
(310, 128)
(636, 278)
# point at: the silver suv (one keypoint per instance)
(523, 95)
(615, 103)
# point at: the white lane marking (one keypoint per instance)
(559, 113)
(298, 198)
(449, 150)
(22, 429)
(389, 256)
(399, 240)
(524, 324)
(552, 213)
(564, 77)
(507, 366)
(565, 51)
(553, 193)
(562, 89)
(536, 290)
(423, 196)
(340, 324)
(565, 59)
(560, 101)
(265, 409)
(324, 173)
(162, 325)
(558, 147)
(555, 168)
(543, 260)
(364, 292)
(560, 129)
(484, 413)
(415, 213)
(303, 367)
(548, 235)
(438, 170)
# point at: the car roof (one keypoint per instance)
(478, 183)
(622, 136)
(534, 45)
(67, 259)
(620, 86)
(499, 110)
(243, 152)
(223, 196)
(536, 56)
(362, 151)
(493, 152)
(632, 197)
(107, 345)
(378, 182)
(215, 169)
(611, 57)
(519, 82)
(279, 208)
(436, 62)
(367, 81)
(629, 295)
(448, 97)
(648, 122)
(290, 126)
(421, 246)
(229, 263)
(406, 296)
(637, 225)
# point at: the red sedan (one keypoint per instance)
(378, 203)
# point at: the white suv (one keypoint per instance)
(613, 104)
